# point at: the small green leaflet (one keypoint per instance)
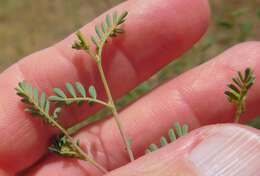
(92, 92)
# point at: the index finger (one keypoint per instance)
(156, 33)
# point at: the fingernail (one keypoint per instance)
(228, 151)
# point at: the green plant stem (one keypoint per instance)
(81, 152)
(98, 59)
(114, 110)
(65, 132)
(87, 99)
(240, 110)
(109, 95)
(237, 116)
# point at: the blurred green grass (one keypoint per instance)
(27, 26)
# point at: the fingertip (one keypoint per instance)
(227, 150)
(223, 149)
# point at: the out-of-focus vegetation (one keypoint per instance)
(28, 25)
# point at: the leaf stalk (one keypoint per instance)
(114, 111)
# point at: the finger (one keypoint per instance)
(194, 98)
(213, 150)
(53, 66)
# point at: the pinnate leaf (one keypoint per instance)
(109, 28)
(180, 131)
(238, 90)
(37, 104)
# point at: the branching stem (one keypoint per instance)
(109, 95)
(65, 132)
(114, 111)
(98, 59)
(108, 30)
(81, 152)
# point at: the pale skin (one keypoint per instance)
(156, 32)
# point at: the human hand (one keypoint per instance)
(156, 33)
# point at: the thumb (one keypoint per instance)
(216, 150)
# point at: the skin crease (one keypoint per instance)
(173, 106)
(101, 134)
(174, 159)
(67, 65)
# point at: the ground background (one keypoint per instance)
(28, 25)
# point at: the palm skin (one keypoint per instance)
(156, 32)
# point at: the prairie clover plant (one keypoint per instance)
(236, 94)
(238, 91)
(38, 104)
(172, 135)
